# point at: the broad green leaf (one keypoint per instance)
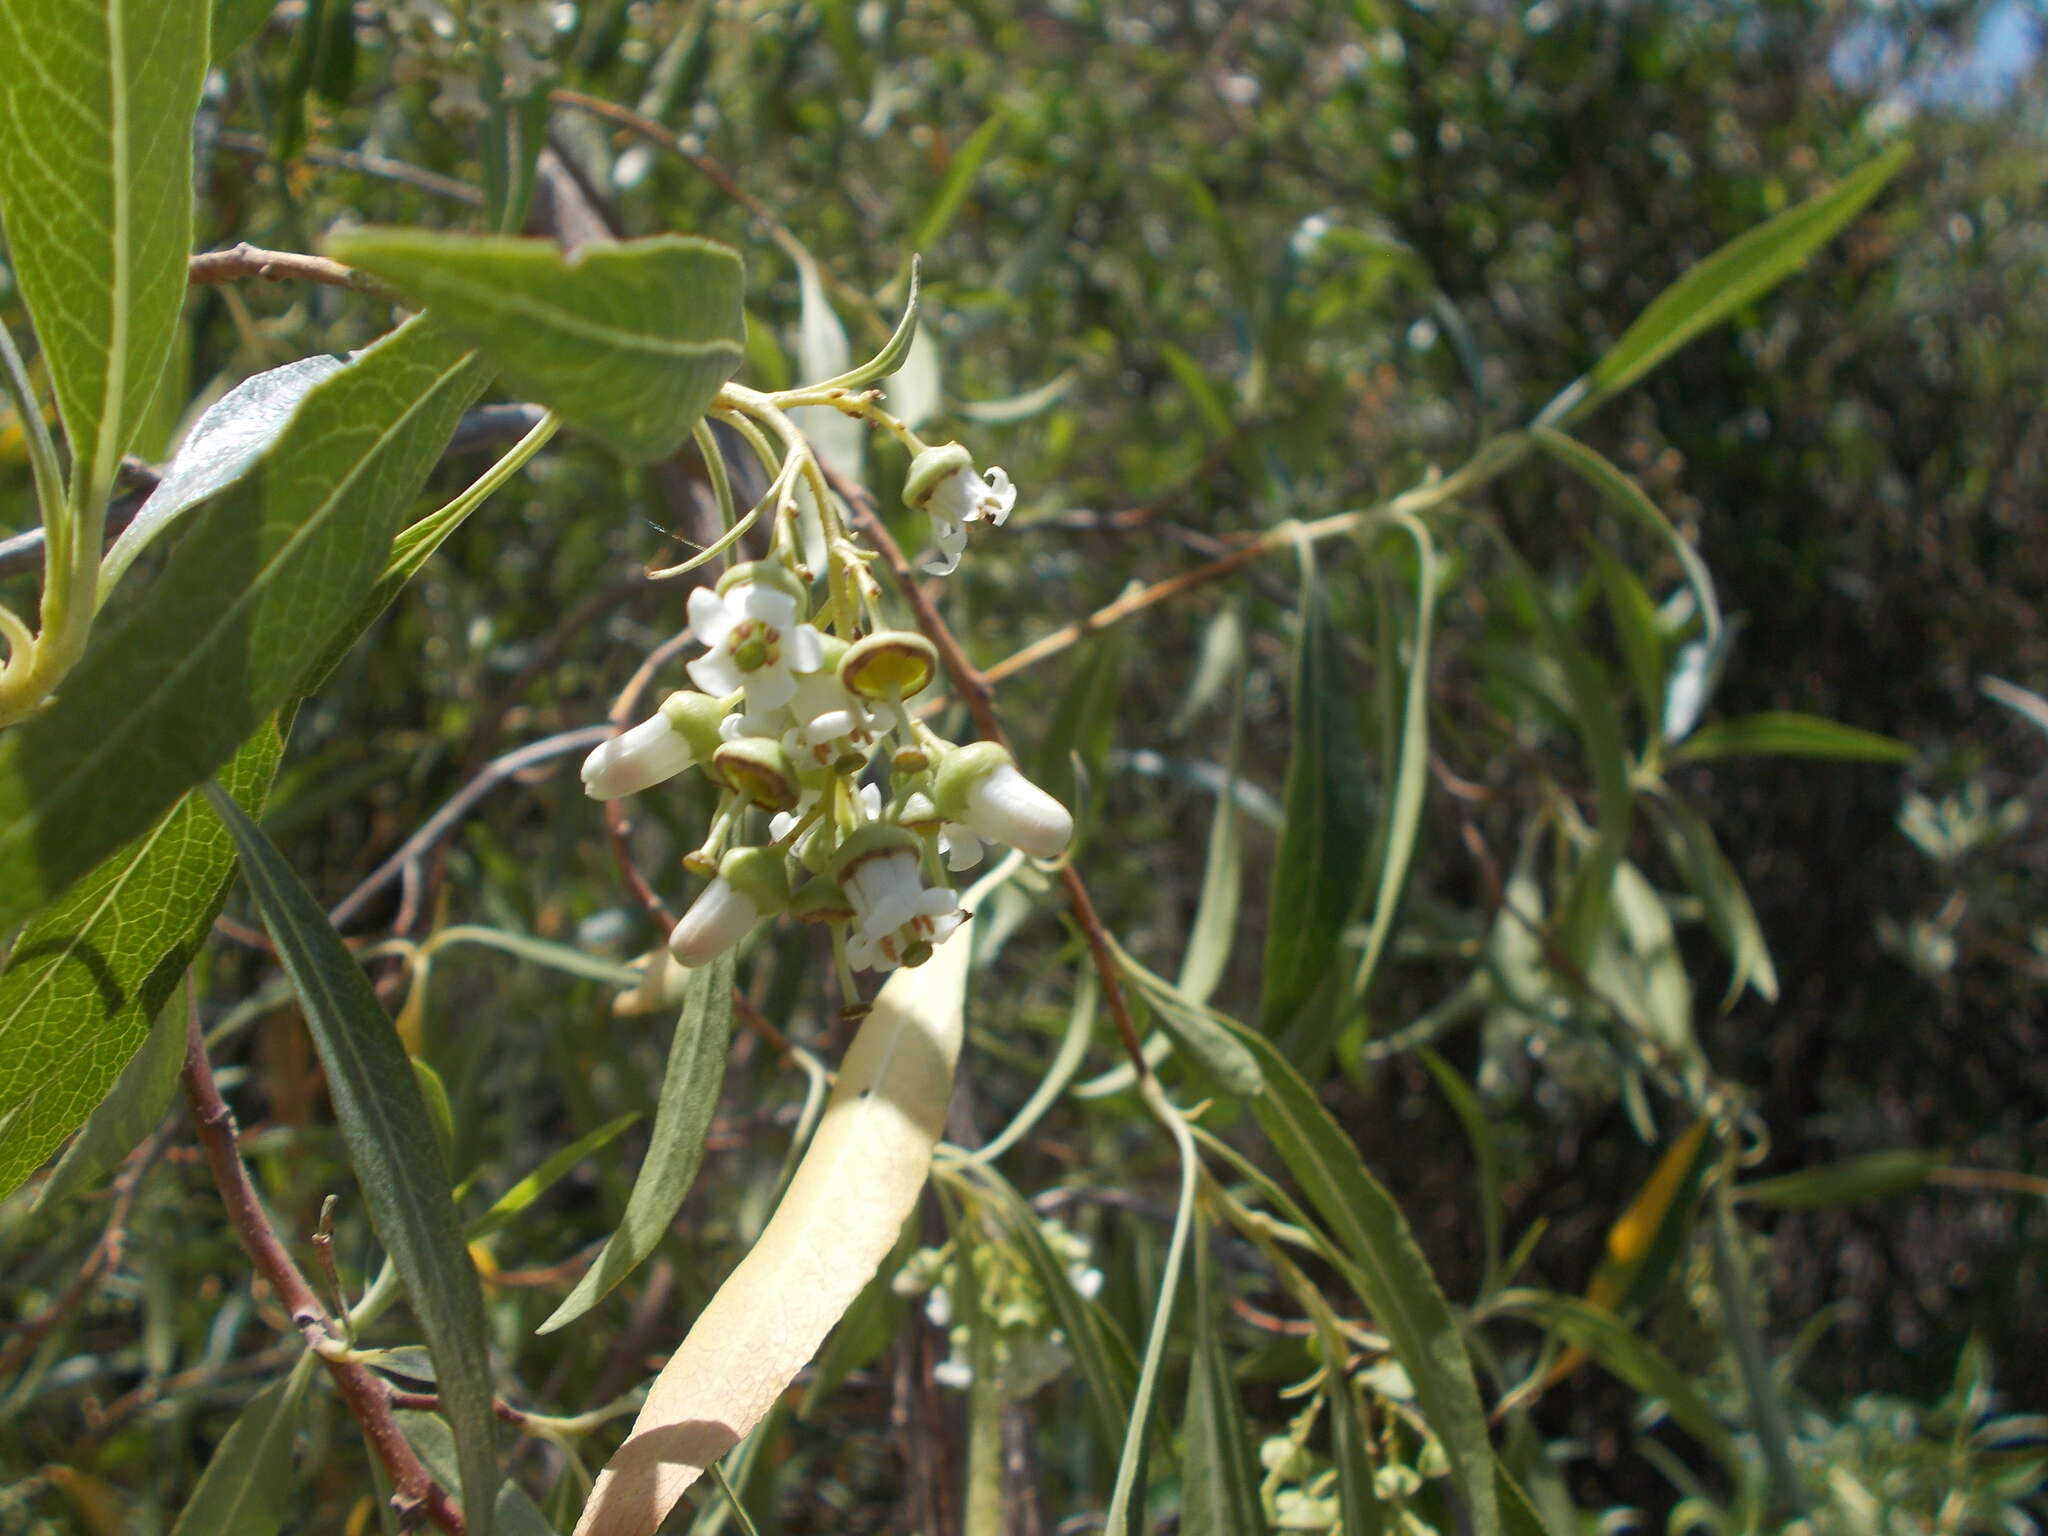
(234, 23)
(1873, 1176)
(508, 1206)
(88, 975)
(96, 106)
(223, 445)
(264, 577)
(131, 1111)
(1785, 734)
(838, 1220)
(246, 1489)
(1392, 1277)
(863, 1333)
(1219, 1477)
(1321, 860)
(392, 1145)
(1709, 875)
(1745, 268)
(629, 342)
(675, 1149)
(1409, 763)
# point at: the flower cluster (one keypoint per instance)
(1026, 1349)
(805, 730)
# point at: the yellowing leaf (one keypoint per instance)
(841, 1216)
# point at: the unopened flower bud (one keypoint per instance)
(979, 785)
(718, 919)
(683, 732)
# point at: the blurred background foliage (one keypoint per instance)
(1193, 269)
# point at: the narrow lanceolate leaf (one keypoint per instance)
(627, 341)
(391, 1143)
(246, 1489)
(1873, 1176)
(87, 976)
(823, 353)
(223, 445)
(1392, 1277)
(1746, 268)
(841, 1216)
(689, 1096)
(96, 105)
(1321, 860)
(1785, 734)
(263, 579)
(1219, 1478)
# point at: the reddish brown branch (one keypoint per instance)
(246, 260)
(367, 1395)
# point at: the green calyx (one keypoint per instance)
(930, 468)
(760, 875)
(821, 900)
(872, 841)
(760, 770)
(766, 573)
(695, 717)
(894, 664)
(960, 770)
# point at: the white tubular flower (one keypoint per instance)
(684, 732)
(943, 483)
(979, 784)
(897, 919)
(752, 883)
(756, 642)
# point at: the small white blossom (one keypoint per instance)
(964, 497)
(635, 760)
(1005, 807)
(755, 643)
(827, 716)
(953, 1372)
(960, 844)
(718, 919)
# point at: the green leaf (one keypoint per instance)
(1358, 1498)
(824, 354)
(224, 444)
(1219, 1478)
(1708, 874)
(264, 577)
(689, 1096)
(1785, 734)
(1472, 1115)
(88, 975)
(1745, 268)
(96, 105)
(1873, 1176)
(1392, 1277)
(1197, 1030)
(1410, 762)
(392, 1144)
(956, 184)
(246, 1489)
(508, 1206)
(234, 23)
(135, 1108)
(895, 352)
(1213, 932)
(629, 342)
(517, 1514)
(1634, 617)
(1321, 860)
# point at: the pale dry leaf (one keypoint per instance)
(845, 1206)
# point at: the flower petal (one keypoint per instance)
(711, 618)
(716, 673)
(769, 688)
(802, 650)
(756, 601)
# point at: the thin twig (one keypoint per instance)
(973, 688)
(367, 1395)
(365, 165)
(246, 260)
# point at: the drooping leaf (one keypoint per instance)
(1321, 859)
(1786, 734)
(392, 1145)
(246, 1489)
(1198, 1031)
(224, 443)
(96, 106)
(1220, 1479)
(92, 970)
(263, 578)
(1745, 268)
(507, 1208)
(1393, 1279)
(825, 343)
(629, 341)
(834, 1226)
(682, 1117)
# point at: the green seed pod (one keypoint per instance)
(894, 664)
(760, 770)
